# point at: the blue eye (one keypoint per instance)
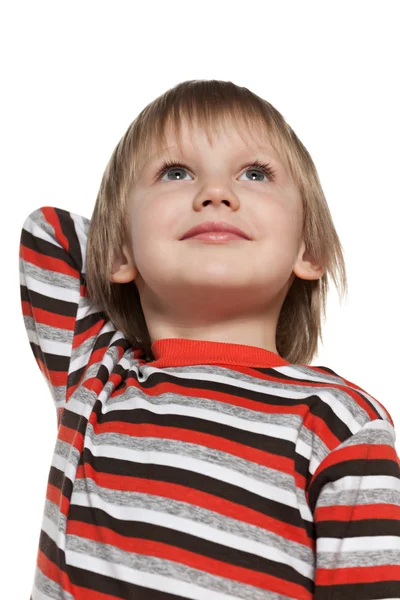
(265, 168)
(171, 165)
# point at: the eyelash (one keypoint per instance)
(264, 167)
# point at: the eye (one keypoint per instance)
(171, 166)
(175, 167)
(265, 169)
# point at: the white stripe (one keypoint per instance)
(149, 580)
(50, 527)
(81, 408)
(359, 544)
(51, 290)
(82, 236)
(359, 483)
(191, 527)
(303, 448)
(81, 360)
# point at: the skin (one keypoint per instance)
(227, 292)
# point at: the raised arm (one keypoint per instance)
(57, 314)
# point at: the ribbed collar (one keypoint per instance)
(176, 352)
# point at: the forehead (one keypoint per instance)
(193, 138)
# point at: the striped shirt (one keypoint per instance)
(218, 471)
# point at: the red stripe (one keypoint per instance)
(357, 575)
(47, 262)
(54, 494)
(51, 217)
(357, 512)
(71, 436)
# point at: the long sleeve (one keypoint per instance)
(57, 315)
(354, 496)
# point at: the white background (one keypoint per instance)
(74, 75)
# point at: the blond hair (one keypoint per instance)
(210, 104)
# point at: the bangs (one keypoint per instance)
(212, 108)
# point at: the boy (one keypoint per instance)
(198, 453)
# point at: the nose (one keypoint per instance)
(217, 195)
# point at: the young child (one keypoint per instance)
(199, 455)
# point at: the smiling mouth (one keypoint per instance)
(217, 236)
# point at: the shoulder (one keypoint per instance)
(352, 403)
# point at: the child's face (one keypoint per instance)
(184, 278)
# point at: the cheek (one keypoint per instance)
(161, 218)
(153, 231)
(286, 230)
(277, 223)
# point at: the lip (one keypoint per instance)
(214, 226)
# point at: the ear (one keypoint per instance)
(305, 266)
(124, 268)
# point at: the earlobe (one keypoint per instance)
(310, 271)
(123, 275)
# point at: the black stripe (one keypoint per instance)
(60, 481)
(74, 421)
(359, 591)
(54, 305)
(68, 228)
(85, 323)
(51, 551)
(361, 528)
(75, 377)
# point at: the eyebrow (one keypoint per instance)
(154, 157)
